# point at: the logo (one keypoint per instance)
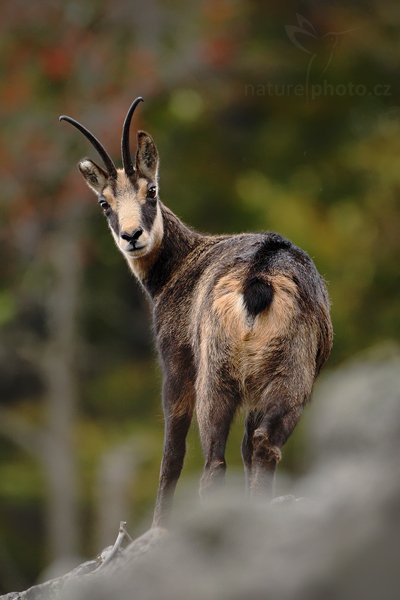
(319, 47)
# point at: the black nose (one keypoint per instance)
(132, 237)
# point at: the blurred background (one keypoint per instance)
(267, 116)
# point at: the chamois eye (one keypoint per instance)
(103, 203)
(152, 191)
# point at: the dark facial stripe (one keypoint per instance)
(112, 219)
(149, 211)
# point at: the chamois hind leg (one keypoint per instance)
(269, 437)
(215, 413)
(178, 411)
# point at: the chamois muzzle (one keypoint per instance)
(132, 237)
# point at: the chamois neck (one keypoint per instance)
(177, 242)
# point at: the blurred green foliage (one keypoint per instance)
(242, 148)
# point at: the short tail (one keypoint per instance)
(257, 295)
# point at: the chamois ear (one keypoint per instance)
(146, 156)
(95, 176)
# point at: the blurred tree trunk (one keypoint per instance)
(115, 474)
(58, 368)
(55, 357)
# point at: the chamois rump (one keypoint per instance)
(240, 321)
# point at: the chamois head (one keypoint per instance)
(128, 196)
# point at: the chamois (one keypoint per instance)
(240, 321)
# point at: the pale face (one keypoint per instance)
(133, 214)
(130, 204)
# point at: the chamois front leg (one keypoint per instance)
(178, 402)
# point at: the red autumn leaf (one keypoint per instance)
(56, 63)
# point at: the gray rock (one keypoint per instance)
(339, 542)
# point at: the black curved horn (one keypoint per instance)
(111, 169)
(125, 151)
